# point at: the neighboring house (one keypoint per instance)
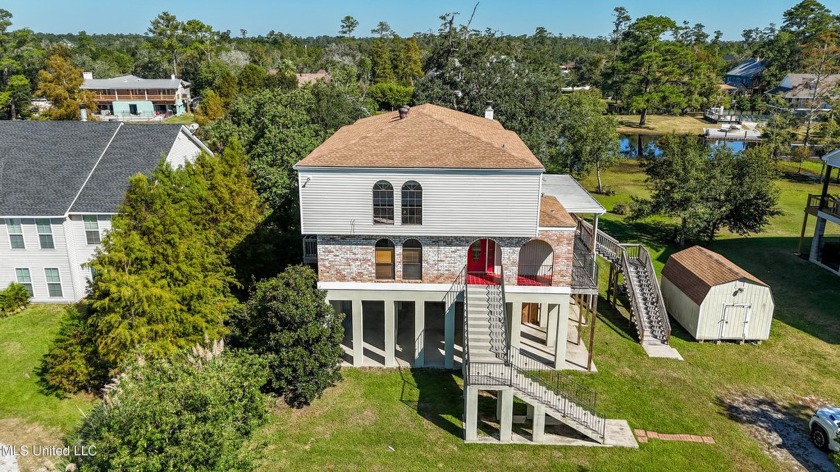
(746, 76)
(444, 242)
(62, 181)
(825, 250)
(800, 89)
(131, 97)
(714, 299)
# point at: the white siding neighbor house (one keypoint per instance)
(442, 240)
(714, 299)
(59, 186)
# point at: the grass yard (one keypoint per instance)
(662, 124)
(418, 413)
(184, 119)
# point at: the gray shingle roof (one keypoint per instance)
(132, 82)
(45, 164)
(749, 68)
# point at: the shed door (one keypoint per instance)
(734, 321)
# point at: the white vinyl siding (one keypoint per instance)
(183, 150)
(455, 202)
(15, 233)
(45, 236)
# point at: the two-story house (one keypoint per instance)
(804, 92)
(61, 182)
(130, 97)
(746, 75)
(825, 245)
(444, 242)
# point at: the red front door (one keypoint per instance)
(481, 257)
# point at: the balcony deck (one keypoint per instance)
(829, 204)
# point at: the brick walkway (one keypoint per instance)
(643, 436)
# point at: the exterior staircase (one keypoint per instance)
(647, 308)
(489, 361)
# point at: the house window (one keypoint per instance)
(15, 233)
(25, 279)
(383, 203)
(384, 260)
(412, 203)
(412, 260)
(53, 282)
(45, 236)
(91, 229)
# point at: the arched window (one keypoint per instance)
(412, 260)
(384, 259)
(383, 203)
(412, 203)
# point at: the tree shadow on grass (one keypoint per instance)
(780, 428)
(436, 396)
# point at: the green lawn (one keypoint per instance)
(417, 413)
(184, 119)
(24, 339)
(662, 124)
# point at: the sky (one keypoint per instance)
(322, 17)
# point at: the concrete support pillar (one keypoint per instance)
(538, 428)
(449, 337)
(549, 310)
(819, 231)
(419, 326)
(562, 328)
(471, 414)
(358, 334)
(529, 411)
(390, 334)
(506, 413)
(543, 319)
(515, 324)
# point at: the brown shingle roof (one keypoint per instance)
(696, 270)
(430, 137)
(552, 213)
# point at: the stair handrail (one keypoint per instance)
(574, 400)
(641, 324)
(503, 308)
(460, 285)
(663, 313)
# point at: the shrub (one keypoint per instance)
(621, 209)
(72, 363)
(13, 299)
(191, 412)
(288, 320)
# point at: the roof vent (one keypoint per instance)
(83, 112)
(403, 112)
(488, 112)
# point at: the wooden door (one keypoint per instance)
(734, 321)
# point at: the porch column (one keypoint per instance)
(515, 324)
(358, 334)
(551, 330)
(538, 428)
(471, 414)
(419, 325)
(390, 333)
(562, 332)
(506, 420)
(819, 231)
(449, 337)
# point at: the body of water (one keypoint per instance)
(633, 144)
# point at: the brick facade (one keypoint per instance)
(350, 258)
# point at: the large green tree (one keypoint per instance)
(60, 84)
(288, 320)
(707, 190)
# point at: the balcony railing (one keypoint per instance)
(584, 267)
(828, 204)
(310, 249)
(535, 274)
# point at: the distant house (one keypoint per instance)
(746, 75)
(825, 249)
(62, 182)
(130, 97)
(799, 89)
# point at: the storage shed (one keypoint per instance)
(714, 299)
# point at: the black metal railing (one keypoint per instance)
(488, 373)
(458, 288)
(827, 204)
(557, 391)
(310, 249)
(497, 319)
(541, 274)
